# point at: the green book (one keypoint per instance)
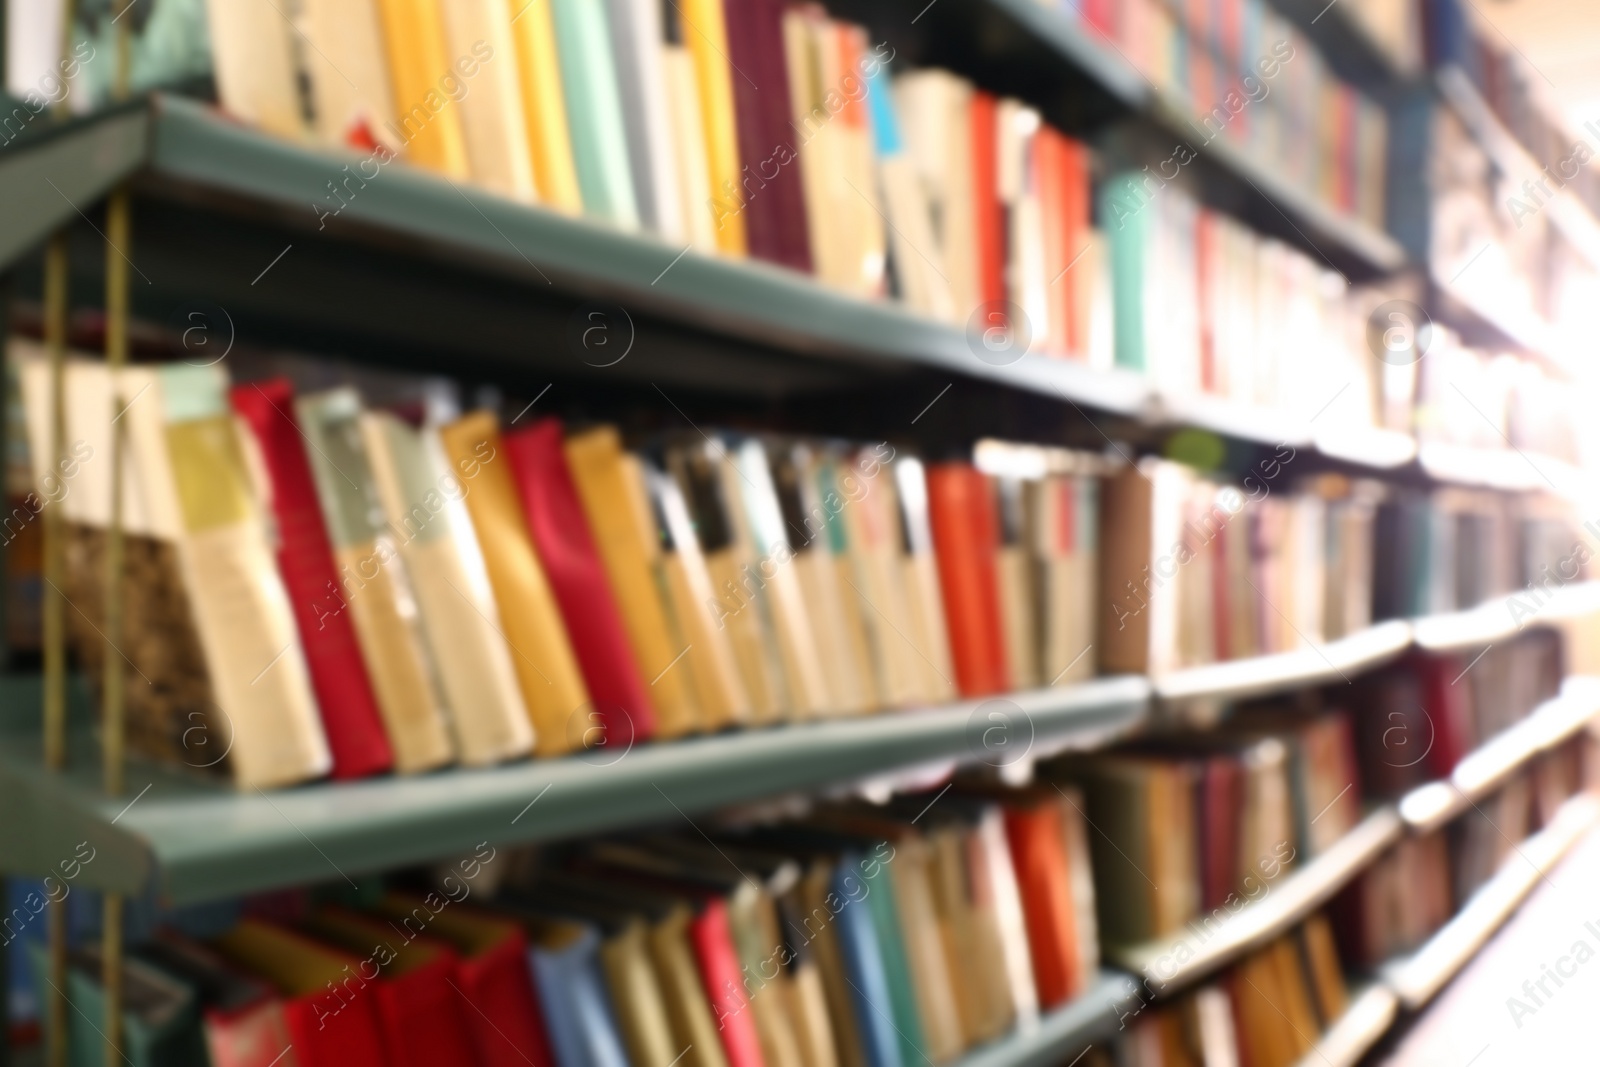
(897, 968)
(594, 111)
(1126, 218)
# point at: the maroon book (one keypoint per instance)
(774, 199)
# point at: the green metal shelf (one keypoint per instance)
(1063, 1034)
(198, 840)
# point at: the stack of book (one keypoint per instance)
(1266, 1010)
(862, 935)
(322, 587)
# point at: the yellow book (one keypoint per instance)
(694, 1027)
(425, 84)
(689, 142)
(708, 44)
(295, 964)
(637, 995)
(552, 686)
(618, 511)
(544, 105)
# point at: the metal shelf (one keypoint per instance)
(1064, 1033)
(1260, 675)
(1481, 771)
(1502, 618)
(1417, 978)
(1170, 964)
(198, 840)
(1371, 1012)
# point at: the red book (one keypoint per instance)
(416, 993)
(349, 710)
(966, 536)
(1049, 178)
(1038, 851)
(328, 1005)
(578, 579)
(775, 212)
(501, 1010)
(723, 978)
(1221, 808)
(987, 209)
(1075, 179)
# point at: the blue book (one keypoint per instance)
(863, 964)
(578, 1015)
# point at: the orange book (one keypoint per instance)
(1075, 197)
(1044, 881)
(1049, 178)
(966, 537)
(991, 223)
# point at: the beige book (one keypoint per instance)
(1017, 579)
(637, 997)
(924, 597)
(918, 266)
(1081, 874)
(184, 435)
(1195, 588)
(836, 625)
(1065, 516)
(547, 669)
(974, 978)
(777, 592)
(932, 980)
(694, 1028)
(681, 567)
(349, 71)
(252, 50)
(992, 862)
(808, 116)
(751, 922)
(934, 105)
(847, 164)
(877, 580)
(615, 502)
(422, 500)
(483, 52)
(698, 470)
(376, 589)
(689, 143)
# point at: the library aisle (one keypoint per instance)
(799, 533)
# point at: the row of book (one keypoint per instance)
(860, 936)
(1267, 1010)
(1202, 304)
(1242, 71)
(317, 587)
(440, 592)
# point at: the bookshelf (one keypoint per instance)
(1063, 1033)
(1502, 617)
(1418, 977)
(1259, 675)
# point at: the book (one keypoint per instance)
(637, 43)
(422, 499)
(544, 107)
(373, 585)
(241, 1017)
(708, 47)
(547, 669)
(623, 702)
(493, 127)
(349, 708)
(600, 151)
(961, 508)
(609, 485)
(352, 102)
(427, 128)
(253, 55)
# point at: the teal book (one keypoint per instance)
(896, 965)
(1126, 217)
(862, 949)
(594, 111)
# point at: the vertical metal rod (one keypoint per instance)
(56, 998)
(111, 975)
(53, 596)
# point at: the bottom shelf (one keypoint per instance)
(1371, 1012)
(1416, 978)
(1063, 1034)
